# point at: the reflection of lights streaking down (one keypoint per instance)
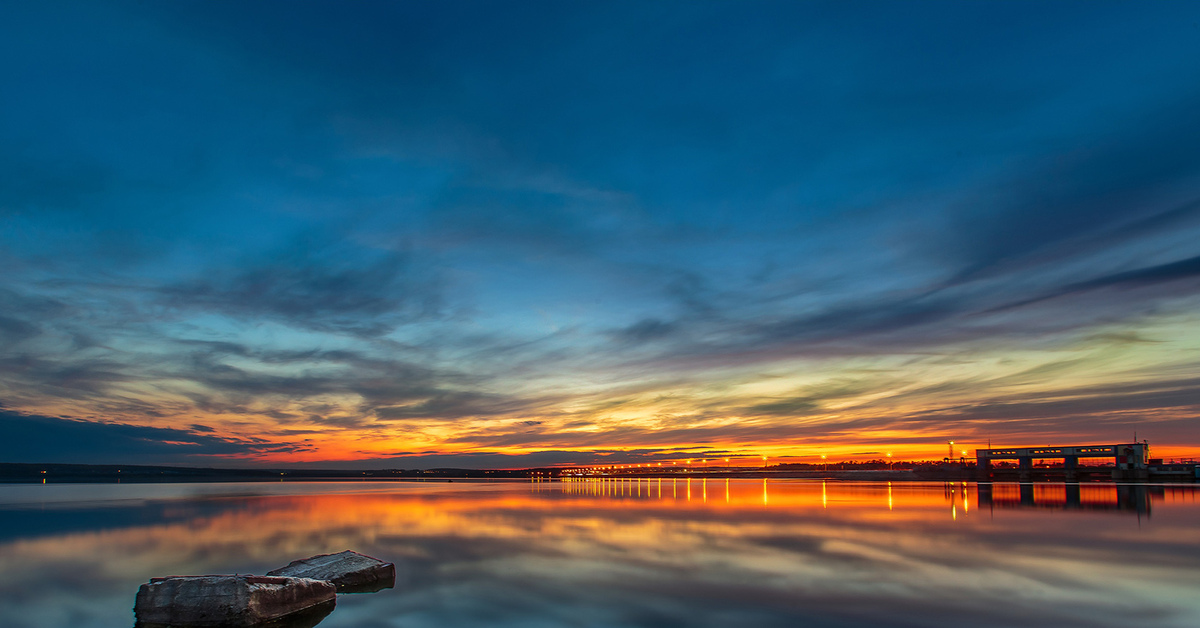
(265, 530)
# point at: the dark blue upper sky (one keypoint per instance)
(316, 231)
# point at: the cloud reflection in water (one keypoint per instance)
(629, 553)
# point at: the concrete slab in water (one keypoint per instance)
(350, 571)
(230, 600)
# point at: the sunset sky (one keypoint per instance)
(502, 234)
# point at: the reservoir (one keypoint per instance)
(627, 552)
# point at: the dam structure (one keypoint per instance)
(1131, 461)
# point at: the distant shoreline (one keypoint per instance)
(29, 473)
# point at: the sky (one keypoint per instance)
(509, 234)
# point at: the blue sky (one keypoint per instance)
(407, 234)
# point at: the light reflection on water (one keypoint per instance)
(628, 552)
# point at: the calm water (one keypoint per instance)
(643, 553)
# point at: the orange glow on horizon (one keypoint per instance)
(439, 438)
(330, 449)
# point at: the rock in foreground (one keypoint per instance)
(229, 600)
(350, 571)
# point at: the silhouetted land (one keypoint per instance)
(866, 471)
(22, 472)
(25, 472)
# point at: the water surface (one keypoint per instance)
(627, 553)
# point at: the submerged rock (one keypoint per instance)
(350, 571)
(233, 601)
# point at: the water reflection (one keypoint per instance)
(1132, 498)
(307, 618)
(630, 552)
(959, 498)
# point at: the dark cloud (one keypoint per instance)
(785, 407)
(1140, 226)
(1170, 400)
(315, 285)
(812, 397)
(456, 405)
(1182, 269)
(20, 314)
(1140, 278)
(78, 377)
(646, 330)
(938, 316)
(695, 433)
(859, 320)
(550, 456)
(33, 438)
(436, 460)
(343, 421)
(1161, 410)
(209, 352)
(14, 330)
(1084, 189)
(376, 382)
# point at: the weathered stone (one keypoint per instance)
(230, 600)
(350, 571)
